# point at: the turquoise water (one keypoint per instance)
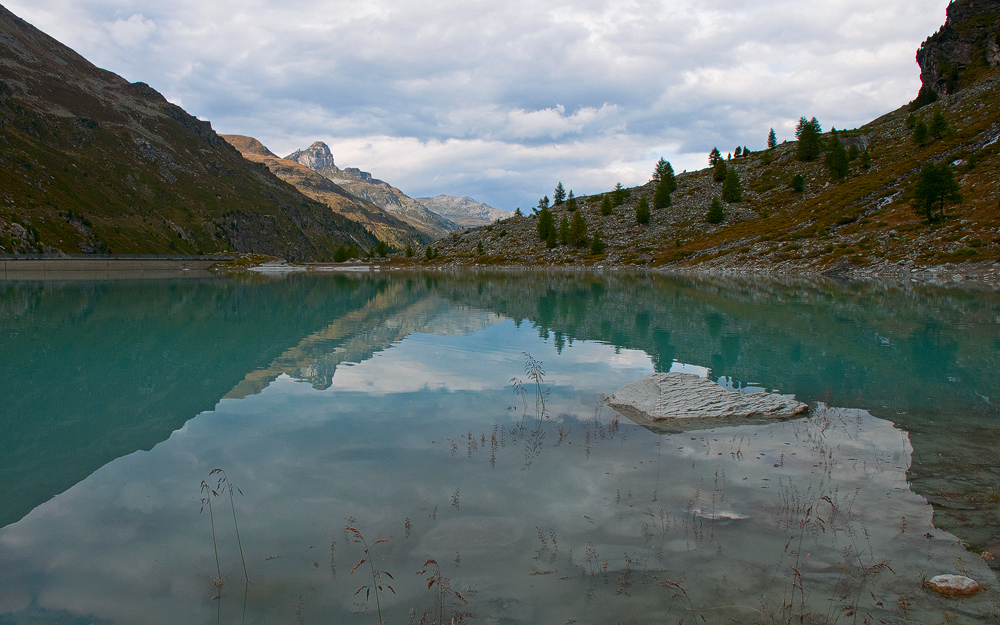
(385, 403)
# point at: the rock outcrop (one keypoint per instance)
(317, 156)
(676, 402)
(969, 39)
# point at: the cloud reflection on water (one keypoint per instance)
(129, 544)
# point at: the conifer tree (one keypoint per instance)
(719, 172)
(938, 127)
(619, 194)
(866, 159)
(642, 213)
(542, 204)
(852, 152)
(808, 133)
(552, 239)
(715, 213)
(341, 254)
(546, 223)
(732, 187)
(578, 230)
(772, 140)
(739, 152)
(798, 183)
(597, 244)
(836, 158)
(662, 198)
(559, 195)
(920, 133)
(666, 184)
(606, 208)
(936, 186)
(714, 157)
(564, 231)
(571, 202)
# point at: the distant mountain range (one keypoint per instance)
(90, 163)
(464, 211)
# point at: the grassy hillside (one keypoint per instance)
(865, 223)
(92, 163)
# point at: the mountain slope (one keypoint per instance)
(384, 225)
(92, 163)
(864, 224)
(464, 211)
(361, 184)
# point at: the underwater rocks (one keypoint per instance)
(675, 402)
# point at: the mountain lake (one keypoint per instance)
(434, 448)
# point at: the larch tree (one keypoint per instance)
(809, 133)
(936, 187)
(732, 187)
(559, 195)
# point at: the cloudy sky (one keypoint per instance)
(501, 100)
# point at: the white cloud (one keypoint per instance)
(132, 32)
(501, 100)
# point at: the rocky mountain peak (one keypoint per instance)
(317, 156)
(968, 42)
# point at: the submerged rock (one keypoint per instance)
(675, 402)
(953, 585)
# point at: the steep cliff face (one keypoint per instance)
(967, 44)
(92, 163)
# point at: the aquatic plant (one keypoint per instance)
(377, 574)
(206, 499)
(536, 374)
(443, 596)
(225, 483)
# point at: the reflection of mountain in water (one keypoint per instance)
(93, 371)
(90, 372)
(925, 358)
(389, 318)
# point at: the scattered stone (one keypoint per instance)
(953, 585)
(676, 402)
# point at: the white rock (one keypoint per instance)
(953, 585)
(674, 402)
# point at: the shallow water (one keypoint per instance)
(385, 403)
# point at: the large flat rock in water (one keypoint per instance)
(677, 402)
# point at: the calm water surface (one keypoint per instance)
(388, 404)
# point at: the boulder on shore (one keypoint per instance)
(677, 402)
(953, 585)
